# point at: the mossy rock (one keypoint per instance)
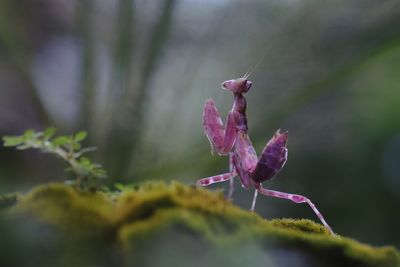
(166, 225)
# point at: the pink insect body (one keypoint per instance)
(233, 140)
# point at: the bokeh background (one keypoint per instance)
(135, 75)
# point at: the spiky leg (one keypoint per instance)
(216, 179)
(221, 139)
(253, 203)
(296, 199)
(231, 181)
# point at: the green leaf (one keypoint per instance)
(76, 146)
(119, 186)
(13, 140)
(85, 161)
(49, 132)
(28, 135)
(80, 136)
(125, 187)
(61, 140)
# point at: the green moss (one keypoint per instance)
(147, 225)
(65, 207)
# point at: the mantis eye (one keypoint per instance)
(248, 85)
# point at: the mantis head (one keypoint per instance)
(240, 85)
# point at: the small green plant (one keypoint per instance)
(67, 147)
(125, 187)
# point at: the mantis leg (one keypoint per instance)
(231, 181)
(231, 188)
(246, 153)
(216, 179)
(253, 203)
(221, 139)
(295, 199)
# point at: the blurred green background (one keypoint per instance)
(135, 75)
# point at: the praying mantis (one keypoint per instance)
(233, 140)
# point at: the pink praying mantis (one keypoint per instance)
(233, 140)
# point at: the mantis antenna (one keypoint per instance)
(254, 67)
